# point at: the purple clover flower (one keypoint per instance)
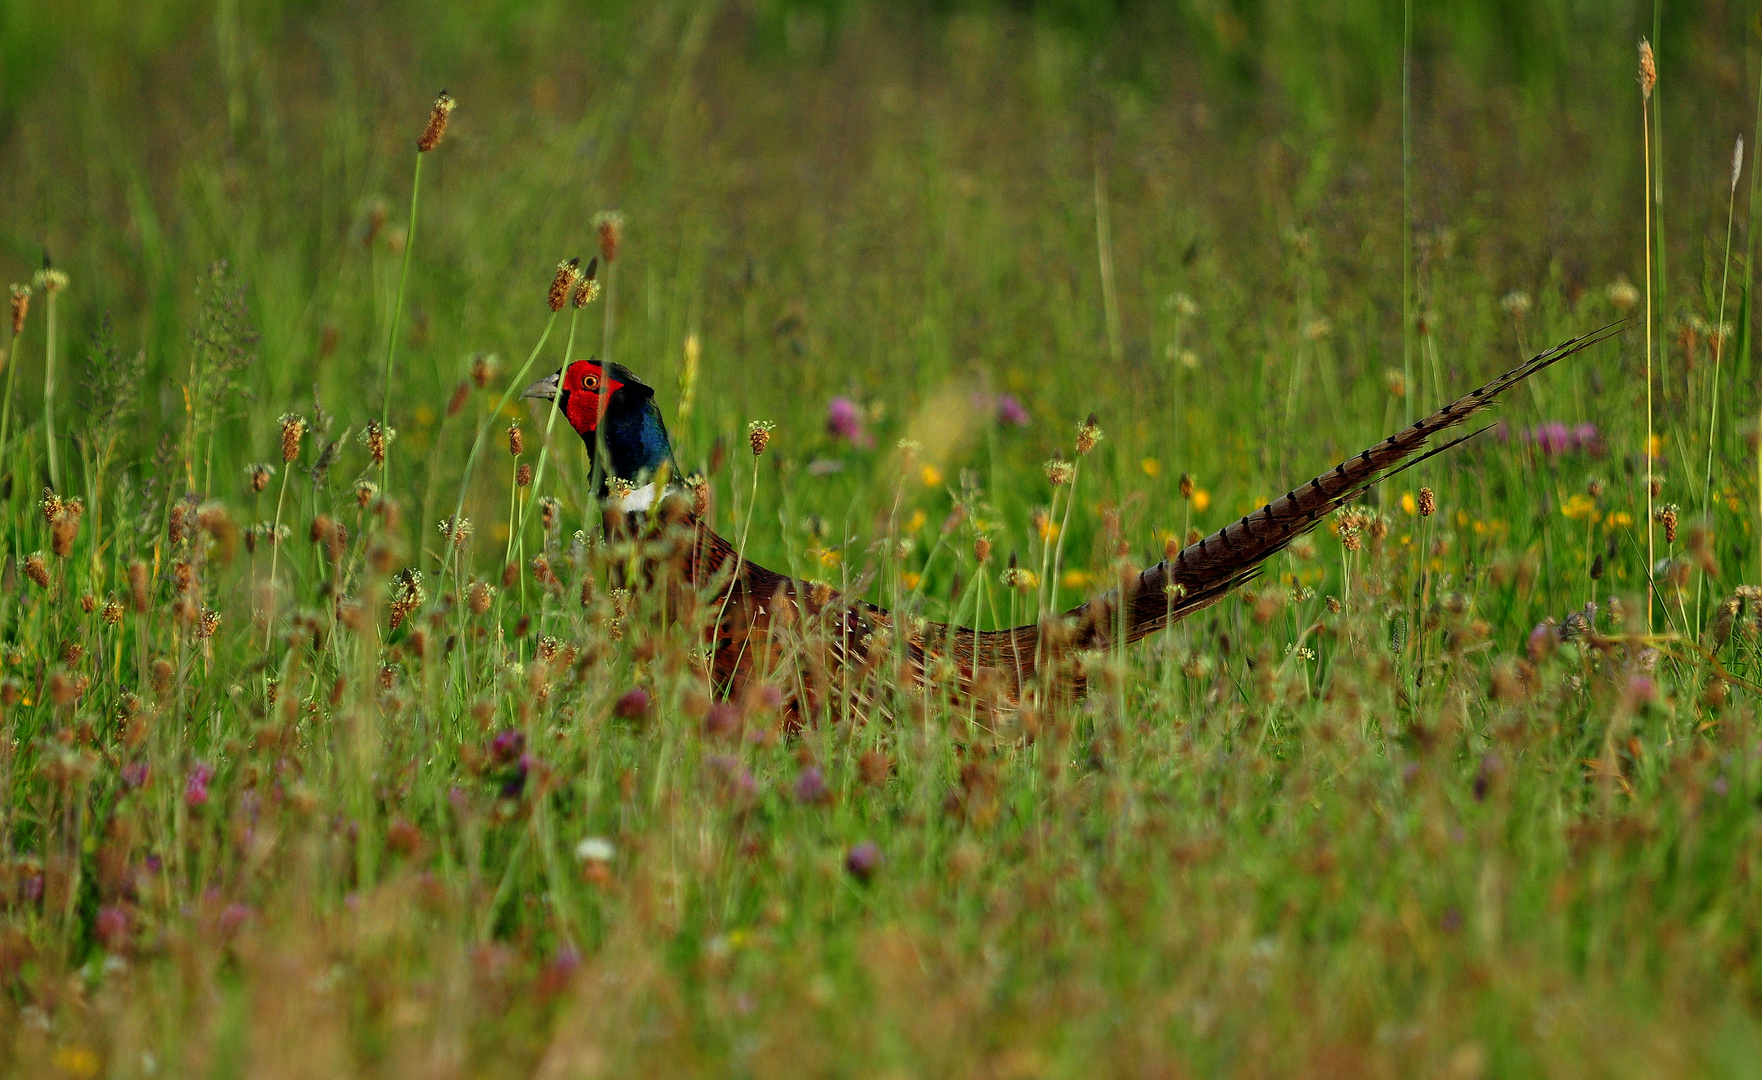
(196, 784)
(844, 420)
(810, 787)
(135, 774)
(112, 926)
(507, 745)
(1011, 411)
(632, 705)
(863, 860)
(1553, 438)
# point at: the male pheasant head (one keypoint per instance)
(608, 403)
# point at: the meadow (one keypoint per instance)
(335, 741)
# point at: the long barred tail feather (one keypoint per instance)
(1215, 564)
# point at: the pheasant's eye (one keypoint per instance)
(590, 382)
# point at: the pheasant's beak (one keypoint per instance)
(544, 389)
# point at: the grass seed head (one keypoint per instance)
(568, 273)
(609, 224)
(376, 438)
(516, 441)
(36, 567)
(1059, 472)
(21, 305)
(758, 434)
(137, 585)
(1667, 517)
(549, 512)
(483, 369)
(1648, 70)
(479, 596)
(1088, 434)
(1428, 502)
(456, 530)
(586, 292)
(50, 280)
(258, 474)
(293, 429)
(437, 123)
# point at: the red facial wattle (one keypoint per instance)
(583, 385)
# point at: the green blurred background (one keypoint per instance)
(891, 201)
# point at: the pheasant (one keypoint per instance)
(815, 645)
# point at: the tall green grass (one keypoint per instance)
(1407, 805)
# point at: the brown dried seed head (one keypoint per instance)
(541, 571)
(293, 429)
(549, 511)
(137, 585)
(758, 434)
(365, 491)
(210, 623)
(437, 123)
(456, 530)
(1186, 485)
(1648, 70)
(112, 613)
(523, 475)
(610, 226)
(36, 567)
(258, 475)
(700, 495)
(1059, 472)
(516, 440)
(1667, 516)
(50, 504)
(982, 548)
(374, 438)
(568, 273)
(1428, 502)
(88, 603)
(479, 596)
(21, 304)
(1088, 434)
(62, 533)
(483, 369)
(585, 293)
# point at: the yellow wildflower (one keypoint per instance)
(931, 475)
(1578, 507)
(1151, 466)
(1201, 500)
